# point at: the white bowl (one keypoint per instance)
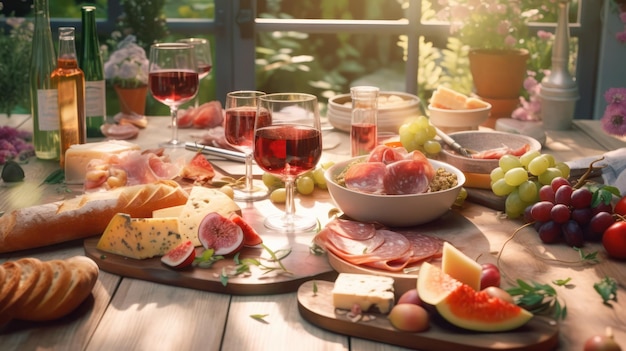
(458, 120)
(392, 114)
(392, 210)
(481, 141)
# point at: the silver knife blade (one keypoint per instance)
(216, 151)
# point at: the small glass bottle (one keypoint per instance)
(43, 97)
(91, 65)
(69, 81)
(364, 130)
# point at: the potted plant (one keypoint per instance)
(15, 48)
(127, 70)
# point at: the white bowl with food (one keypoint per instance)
(458, 120)
(392, 210)
(487, 147)
(394, 108)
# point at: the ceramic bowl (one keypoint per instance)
(458, 120)
(481, 141)
(392, 210)
(394, 108)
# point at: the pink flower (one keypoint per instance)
(543, 35)
(615, 96)
(510, 41)
(614, 119)
(621, 36)
(622, 16)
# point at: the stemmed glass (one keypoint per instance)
(287, 145)
(204, 62)
(241, 114)
(173, 79)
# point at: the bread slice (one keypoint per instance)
(13, 275)
(3, 275)
(61, 279)
(29, 271)
(42, 285)
(84, 276)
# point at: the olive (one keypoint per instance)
(12, 172)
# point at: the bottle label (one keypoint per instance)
(47, 109)
(95, 95)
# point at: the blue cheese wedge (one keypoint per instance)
(367, 291)
(140, 237)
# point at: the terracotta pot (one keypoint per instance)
(500, 108)
(132, 100)
(498, 74)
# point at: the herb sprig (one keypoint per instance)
(607, 288)
(539, 298)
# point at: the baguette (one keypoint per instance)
(46, 291)
(83, 216)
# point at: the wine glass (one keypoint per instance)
(204, 62)
(241, 114)
(287, 145)
(173, 79)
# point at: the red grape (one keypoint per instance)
(582, 216)
(546, 193)
(563, 195)
(558, 182)
(581, 198)
(602, 207)
(550, 232)
(490, 276)
(573, 234)
(560, 213)
(541, 211)
(600, 222)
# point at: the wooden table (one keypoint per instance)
(130, 314)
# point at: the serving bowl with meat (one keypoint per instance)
(397, 193)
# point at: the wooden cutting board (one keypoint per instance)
(539, 334)
(302, 266)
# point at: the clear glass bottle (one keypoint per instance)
(43, 97)
(91, 65)
(364, 129)
(69, 81)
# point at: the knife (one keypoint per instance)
(216, 151)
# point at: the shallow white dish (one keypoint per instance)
(391, 115)
(392, 210)
(457, 120)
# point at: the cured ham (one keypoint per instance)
(391, 171)
(385, 249)
(497, 153)
(207, 115)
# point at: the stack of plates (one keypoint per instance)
(394, 108)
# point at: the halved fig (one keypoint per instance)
(250, 236)
(220, 233)
(180, 256)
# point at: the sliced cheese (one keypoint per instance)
(78, 156)
(447, 98)
(140, 237)
(168, 212)
(201, 202)
(365, 290)
(460, 267)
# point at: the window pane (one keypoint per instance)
(333, 9)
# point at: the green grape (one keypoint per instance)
(528, 191)
(538, 165)
(550, 158)
(528, 156)
(431, 132)
(460, 198)
(318, 178)
(432, 147)
(422, 122)
(496, 173)
(421, 136)
(515, 176)
(271, 181)
(514, 206)
(305, 185)
(408, 141)
(278, 196)
(564, 168)
(546, 177)
(508, 162)
(501, 188)
(326, 165)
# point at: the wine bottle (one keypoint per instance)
(43, 98)
(91, 65)
(69, 81)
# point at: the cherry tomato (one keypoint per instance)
(620, 207)
(490, 276)
(614, 240)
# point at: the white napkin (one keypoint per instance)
(614, 171)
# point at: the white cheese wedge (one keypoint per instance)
(78, 156)
(168, 212)
(365, 290)
(460, 267)
(140, 237)
(201, 202)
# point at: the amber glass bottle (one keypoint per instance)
(69, 81)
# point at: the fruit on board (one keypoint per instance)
(220, 233)
(460, 267)
(620, 206)
(465, 307)
(490, 276)
(409, 317)
(604, 342)
(500, 293)
(180, 256)
(614, 240)
(410, 296)
(250, 236)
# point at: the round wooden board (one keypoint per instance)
(316, 306)
(301, 263)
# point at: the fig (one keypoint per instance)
(250, 236)
(220, 234)
(180, 256)
(604, 342)
(409, 317)
(410, 296)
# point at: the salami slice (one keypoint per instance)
(354, 247)
(424, 246)
(394, 247)
(386, 154)
(352, 229)
(366, 177)
(405, 177)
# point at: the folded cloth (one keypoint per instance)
(614, 167)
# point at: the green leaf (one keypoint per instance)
(259, 317)
(607, 288)
(561, 282)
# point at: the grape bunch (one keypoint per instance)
(305, 183)
(520, 178)
(564, 213)
(419, 134)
